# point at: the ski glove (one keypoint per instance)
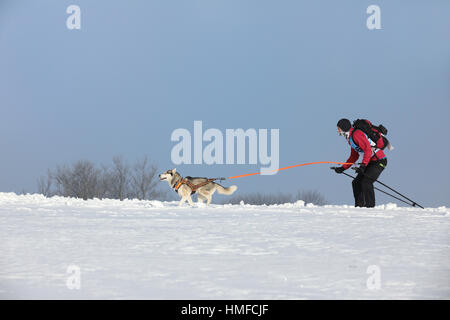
(361, 168)
(339, 169)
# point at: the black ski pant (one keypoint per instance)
(363, 184)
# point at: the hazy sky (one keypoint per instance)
(137, 70)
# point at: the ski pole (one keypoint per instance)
(413, 202)
(387, 193)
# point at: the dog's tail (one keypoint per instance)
(227, 191)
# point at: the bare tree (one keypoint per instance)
(45, 184)
(104, 183)
(311, 196)
(144, 180)
(62, 178)
(120, 179)
(261, 199)
(80, 181)
(85, 180)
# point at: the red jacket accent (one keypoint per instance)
(363, 142)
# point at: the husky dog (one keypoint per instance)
(187, 186)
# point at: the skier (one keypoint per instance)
(373, 163)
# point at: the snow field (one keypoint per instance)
(155, 250)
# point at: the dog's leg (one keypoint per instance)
(183, 199)
(208, 199)
(189, 199)
(205, 195)
(209, 195)
(201, 198)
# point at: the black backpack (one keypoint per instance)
(375, 133)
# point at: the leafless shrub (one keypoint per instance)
(104, 183)
(85, 180)
(261, 199)
(44, 184)
(79, 181)
(119, 179)
(311, 196)
(144, 181)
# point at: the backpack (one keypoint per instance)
(375, 133)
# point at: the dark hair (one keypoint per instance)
(344, 125)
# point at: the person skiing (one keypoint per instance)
(373, 163)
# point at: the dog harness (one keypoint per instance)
(193, 187)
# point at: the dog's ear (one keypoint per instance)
(174, 170)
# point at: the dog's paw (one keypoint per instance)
(200, 205)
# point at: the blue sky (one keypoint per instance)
(137, 70)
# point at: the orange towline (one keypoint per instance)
(297, 165)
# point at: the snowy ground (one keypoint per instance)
(155, 250)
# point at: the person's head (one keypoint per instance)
(343, 126)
